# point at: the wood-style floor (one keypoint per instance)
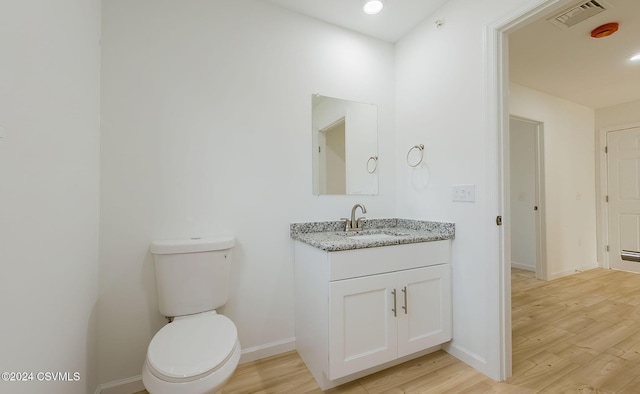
(578, 334)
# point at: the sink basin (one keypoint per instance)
(373, 235)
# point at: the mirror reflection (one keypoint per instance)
(345, 146)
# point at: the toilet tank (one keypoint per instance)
(192, 275)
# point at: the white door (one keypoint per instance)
(624, 196)
(362, 326)
(424, 308)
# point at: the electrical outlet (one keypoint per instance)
(464, 193)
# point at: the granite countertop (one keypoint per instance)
(331, 236)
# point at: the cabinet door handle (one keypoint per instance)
(394, 303)
(405, 307)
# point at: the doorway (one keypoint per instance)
(527, 230)
(496, 61)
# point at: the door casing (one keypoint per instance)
(497, 111)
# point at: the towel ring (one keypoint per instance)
(421, 149)
(375, 164)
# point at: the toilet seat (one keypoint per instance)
(192, 347)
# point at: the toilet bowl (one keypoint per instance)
(194, 354)
(199, 350)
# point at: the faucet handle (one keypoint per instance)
(359, 222)
(347, 224)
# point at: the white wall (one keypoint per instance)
(522, 144)
(206, 110)
(441, 101)
(618, 115)
(49, 191)
(570, 201)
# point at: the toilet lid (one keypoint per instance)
(192, 346)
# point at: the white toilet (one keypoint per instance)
(199, 350)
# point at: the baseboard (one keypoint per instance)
(468, 357)
(588, 267)
(123, 386)
(522, 266)
(558, 275)
(134, 384)
(267, 350)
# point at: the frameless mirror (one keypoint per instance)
(345, 146)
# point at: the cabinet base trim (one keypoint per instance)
(326, 384)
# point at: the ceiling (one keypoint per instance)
(396, 19)
(572, 65)
(566, 63)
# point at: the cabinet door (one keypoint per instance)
(424, 308)
(362, 326)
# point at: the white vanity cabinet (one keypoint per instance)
(364, 308)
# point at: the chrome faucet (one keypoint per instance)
(353, 224)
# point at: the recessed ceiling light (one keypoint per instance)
(372, 7)
(635, 58)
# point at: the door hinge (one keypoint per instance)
(606, 248)
(606, 149)
(606, 198)
(499, 220)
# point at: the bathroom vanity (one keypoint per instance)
(367, 300)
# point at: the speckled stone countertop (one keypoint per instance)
(331, 236)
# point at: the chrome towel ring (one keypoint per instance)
(375, 164)
(421, 149)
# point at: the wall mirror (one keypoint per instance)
(345, 146)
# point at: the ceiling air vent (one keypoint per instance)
(578, 13)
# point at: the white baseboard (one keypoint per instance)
(134, 384)
(588, 267)
(523, 266)
(267, 350)
(468, 357)
(558, 275)
(123, 386)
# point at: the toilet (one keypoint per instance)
(198, 351)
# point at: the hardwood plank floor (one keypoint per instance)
(577, 334)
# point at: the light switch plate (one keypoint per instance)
(464, 193)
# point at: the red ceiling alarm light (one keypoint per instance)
(605, 30)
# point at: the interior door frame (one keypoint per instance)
(603, 190)
(540, 217)
(497, 125)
